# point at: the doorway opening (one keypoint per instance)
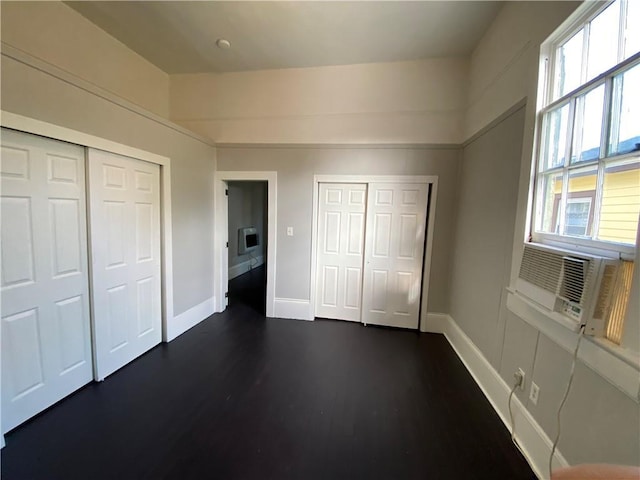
(247, 204)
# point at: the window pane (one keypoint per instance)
(620, 202)
(632, 34)
(603, 41)
(551, 190)
(625, 118)
(588, 126)
(569, 65)
(578, 220)
(556, 129)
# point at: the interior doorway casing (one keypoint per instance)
(431, 180)
(222, 219)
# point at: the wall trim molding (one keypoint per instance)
(293, 308)
(534, 443)
(186, 320)
(501, 118)
(348, 146)
(25, 58)
(243, 267)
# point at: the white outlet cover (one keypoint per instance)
(290, 231)
(533, 394)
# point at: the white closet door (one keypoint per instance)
(396, 219)
(46, 342)
(340, 250)
(125, 250)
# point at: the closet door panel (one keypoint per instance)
(46, 344)
(125, 250)
(341, 229)
(394, 252)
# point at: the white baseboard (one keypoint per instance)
(186, 320)
(533, 441)
(245, 266)
(293, 308)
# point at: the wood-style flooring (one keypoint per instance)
(241, 396)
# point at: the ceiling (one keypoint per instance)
(180, 36)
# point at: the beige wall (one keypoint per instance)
(296, 167)
(401, 102)
(504, 66)
(57, 34)
(481, 260)
(30, 92)
(599, 422)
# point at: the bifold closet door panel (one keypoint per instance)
(394, 251)
(46, 333)
(125, 249)
(341, 230)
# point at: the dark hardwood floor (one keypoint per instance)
(250, 289)
(241, 396)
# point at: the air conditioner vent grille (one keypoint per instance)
(541, 268)
(574, 279)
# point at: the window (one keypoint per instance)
(588, 167)
(587, 184)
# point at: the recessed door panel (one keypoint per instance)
(381, 234)
(17, 241)
(404, 296)
(408, 232)
(330, 286)
(145, 291)
(15, 162)
(332, 232)
(125, 219)
(144, 232)
(65, 236)
(117, 302)
(356, 233)
(46, 340)
(353, 286)
(380, 289)
(23, 344)
(115, 228)
(63, 169)
(341, 218)
(72, 324)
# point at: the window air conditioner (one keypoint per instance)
(575, 288)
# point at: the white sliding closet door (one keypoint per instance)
(394, 250)
(341, 228)
(46, 342)
(125, 250)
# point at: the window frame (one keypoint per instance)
(545, 103)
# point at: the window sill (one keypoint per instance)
(591, 247)
(619, 366)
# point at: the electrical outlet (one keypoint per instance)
(533, 394)
(519, 376)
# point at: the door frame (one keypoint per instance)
(56, 132)
(221, 281)
(431, 180)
